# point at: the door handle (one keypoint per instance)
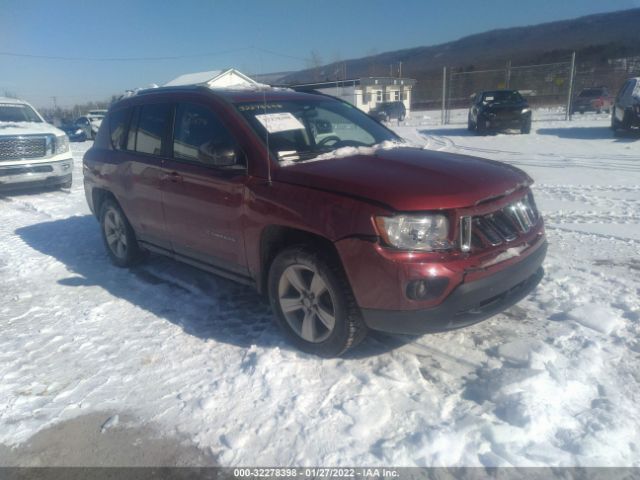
(174, 177)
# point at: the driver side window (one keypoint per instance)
(329, 125)
(201, 137)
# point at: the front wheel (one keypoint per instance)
(481, 126)
(313, 304)
(526, 127)
(118, 236)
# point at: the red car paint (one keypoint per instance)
(218, 219)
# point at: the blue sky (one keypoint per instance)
(231, 32)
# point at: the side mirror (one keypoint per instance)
(219, 156)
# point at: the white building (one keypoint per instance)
(229, 78)
(365, 93)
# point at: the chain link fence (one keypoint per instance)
(550, 85)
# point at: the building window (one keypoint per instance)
(379, 96)
(396, 95)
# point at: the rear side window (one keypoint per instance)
(199, 135)
(118, 121)
(150, 129)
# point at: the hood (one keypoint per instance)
(409, 179)
(28, 128)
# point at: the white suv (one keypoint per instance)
(32, 151)
(626, 108)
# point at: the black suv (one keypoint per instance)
(499, 109)
(389, 110)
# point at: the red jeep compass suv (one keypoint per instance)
(342, 224)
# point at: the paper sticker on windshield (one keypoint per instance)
(279, 122)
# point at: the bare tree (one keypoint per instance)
(315, 63)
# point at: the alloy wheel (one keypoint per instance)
(115, 232)
(306, 303)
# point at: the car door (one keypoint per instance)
(146, 145)
(203, 189)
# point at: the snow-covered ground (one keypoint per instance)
(554, 380)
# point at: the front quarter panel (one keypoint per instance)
(322, 213)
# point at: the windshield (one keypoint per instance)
(592, 92)
(502, 97)
(304, 129)
(18, 112)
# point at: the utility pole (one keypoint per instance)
(572, 75)
(55, 102)
(444, 94)
(400, 70)
(507, 79)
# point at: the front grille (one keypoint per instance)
(17, 147)
(7, 172)
(499, 227)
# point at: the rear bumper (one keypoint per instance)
(24, 175)
(469, 303)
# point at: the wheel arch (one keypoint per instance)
(275, 238)
(98, 197)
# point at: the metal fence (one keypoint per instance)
(550, 85)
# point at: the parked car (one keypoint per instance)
(32, 152)
(626, 108)
(378, 235)
(90, 124)
(74, 132)
(389, 111)
(98, 113)
(497, 110)
(594, 99)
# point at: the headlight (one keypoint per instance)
(415, 232)
(79, 131)
(62, 144)
(526, 110)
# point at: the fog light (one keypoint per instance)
(427, 288)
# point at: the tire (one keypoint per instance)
(118, 236)
(481, 126)
(67, 185)
(313, 303)
(526, 127)
(615, 124)
(470, 126)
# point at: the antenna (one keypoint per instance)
(264, 101)
(266, 140)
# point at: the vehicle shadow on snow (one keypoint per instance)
(449, 132)
(589, 133)
(202, 304)
(12, 191)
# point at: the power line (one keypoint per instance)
(144, 59)
(121, 59)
